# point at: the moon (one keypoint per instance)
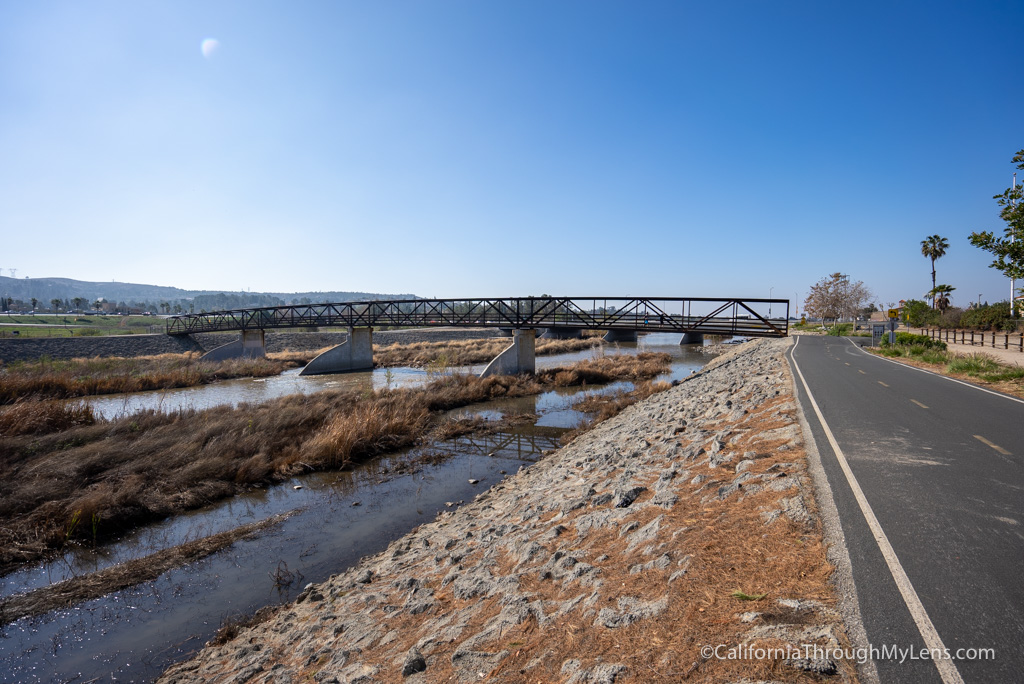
(208, 47)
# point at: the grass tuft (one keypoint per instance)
(743, 596)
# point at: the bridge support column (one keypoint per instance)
(254, 344)
(251, 345)
(562, 334)
(355, 353)
(692, 338)
(620, 336)
(520, 357)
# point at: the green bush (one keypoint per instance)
(905, 339)
(840, 329)
(989, 317)
(919, 314)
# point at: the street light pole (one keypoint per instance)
(1013, 238)
(770, 290)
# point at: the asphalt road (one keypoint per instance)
(939, 464)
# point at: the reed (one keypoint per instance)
(115, 474)
(50, 379)
(467, 352)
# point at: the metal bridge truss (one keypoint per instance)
(521, 446)
(641, 314)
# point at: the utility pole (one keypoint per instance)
(1013, 238)
(843, 304)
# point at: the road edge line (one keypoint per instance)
(938, 375)
(947, 670)
(837, 551)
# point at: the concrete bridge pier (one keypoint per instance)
(251, 345)
(520, 357)
(562, 334)
(355, 353)
(692, 338)
(620, 336)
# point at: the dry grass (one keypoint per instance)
(467, 352)
(731, 549)
(49, 379)
(99, 478)
(29, 417)
(129, 573)
(601, 407)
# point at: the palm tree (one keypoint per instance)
(934, 247)
(940, 296)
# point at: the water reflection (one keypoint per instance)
(257, 390)
(134, 634)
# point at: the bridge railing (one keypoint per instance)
(750, 317)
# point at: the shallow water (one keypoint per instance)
(134, 634)
(256, 390)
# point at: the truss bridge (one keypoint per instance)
(622, 318)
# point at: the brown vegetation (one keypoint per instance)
(126, 574)
(601, 407)
(735, 561)
(62, 379)
(466, 352)
(50, 379)
(98, 478)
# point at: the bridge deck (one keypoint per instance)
(748, 317)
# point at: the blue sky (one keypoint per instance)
(508, 148)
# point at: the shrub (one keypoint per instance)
(973, 364)
(919, 314)
(905, 339)
(988, 317)
(950, 318)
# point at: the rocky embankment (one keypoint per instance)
(29, 349)
(684, 523)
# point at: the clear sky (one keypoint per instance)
(508, 147)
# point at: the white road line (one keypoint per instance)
(938, 375)
(947, 670)
(882, 383)
(915, 401)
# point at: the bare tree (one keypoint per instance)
(836, 297)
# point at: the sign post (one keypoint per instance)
(894, 317)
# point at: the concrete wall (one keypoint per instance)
(356, 353)
(562, 334)
(620, 336)
(31, 349)
(520, 357)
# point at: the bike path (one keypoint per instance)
(940, 467)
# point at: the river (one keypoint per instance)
(134, 634)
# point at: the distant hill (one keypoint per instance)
(152, 296)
